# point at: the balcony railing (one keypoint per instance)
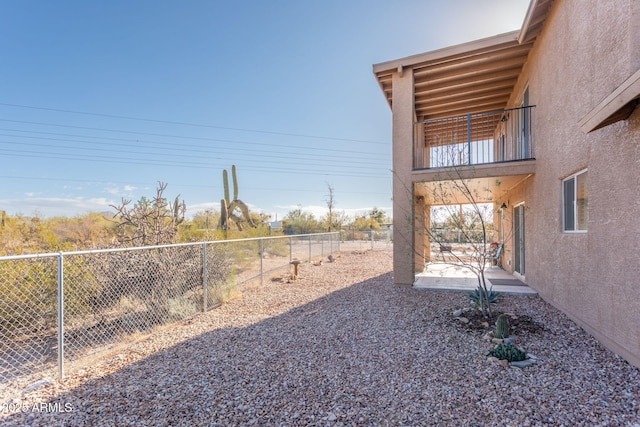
(474, 139)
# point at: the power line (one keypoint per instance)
(291, 160)
(110, 159)
(173, 155)
(157, 162)
(114, 116)
(169, 145)
(177, 136)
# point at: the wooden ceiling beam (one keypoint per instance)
(459, 91)
(470, 109)
(503, 55)
(433, 87)
(435, 75)
(461, 103)
(426, 105)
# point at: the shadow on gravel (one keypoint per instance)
(368, 354)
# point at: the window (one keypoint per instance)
(575, 201)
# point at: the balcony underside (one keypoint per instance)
(486, 183)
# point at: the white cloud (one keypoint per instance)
(55, 206)
(124, 191)
(199, 207)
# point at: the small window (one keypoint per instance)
(575, 202)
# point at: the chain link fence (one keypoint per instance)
(364, 240)
(455, 235)
(58, 308)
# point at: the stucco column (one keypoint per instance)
(427, 238)
(403, 206)
(422, 251)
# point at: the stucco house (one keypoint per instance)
(545, 120)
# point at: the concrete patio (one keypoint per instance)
(442, 276)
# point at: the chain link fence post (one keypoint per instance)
(204, 278)
(261, 262)
(60, 316)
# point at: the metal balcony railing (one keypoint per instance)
(474, 139)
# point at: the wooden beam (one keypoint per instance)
(478, 107)
(471, 109)
(466, 86)
(468, 96)
(520, 52)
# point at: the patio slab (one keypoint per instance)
(453, 277)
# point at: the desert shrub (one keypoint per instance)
(181, 307)
(478, 294)
(29, 290)
(508, 351)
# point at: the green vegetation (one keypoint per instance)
(233, 210)
(300, 222)
(156, 220)
(508, 352)
(28, 235)
(461, 225)
(502, 327)
(479, 296)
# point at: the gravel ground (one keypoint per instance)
(343, 346)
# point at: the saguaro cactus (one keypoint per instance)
(235, 182)
(225, 184)
(224, 216)
(228, 207)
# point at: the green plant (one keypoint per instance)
(478, 296)
(228, 207)
(508, 352)
(502, 327)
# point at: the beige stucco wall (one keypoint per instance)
(586, 51)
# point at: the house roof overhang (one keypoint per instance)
(469, 78)
(617, 106)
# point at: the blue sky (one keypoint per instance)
(101, 100)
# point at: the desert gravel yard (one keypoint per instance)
(343, 346)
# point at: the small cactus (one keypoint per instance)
(502, 327)
(508, 352)
(178, 211)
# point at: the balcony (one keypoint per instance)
(474, 139)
